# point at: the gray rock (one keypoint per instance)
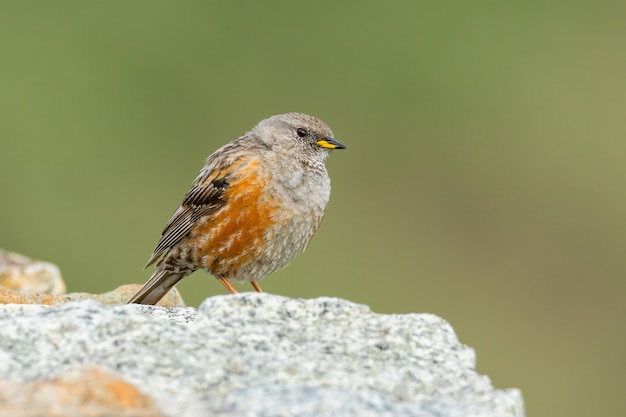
(259, 355)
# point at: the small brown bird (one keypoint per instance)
(255, 205)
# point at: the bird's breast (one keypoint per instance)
(265, 223)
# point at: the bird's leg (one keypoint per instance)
(256, 286)
(225, 282)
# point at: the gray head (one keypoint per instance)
(299, 134)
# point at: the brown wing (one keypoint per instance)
(207, 192)
(204, 198)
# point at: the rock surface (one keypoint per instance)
(84, 392)
(21, 273)
(256, 355)
(24, 280)
(120, 295)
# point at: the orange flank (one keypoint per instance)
(234, 237)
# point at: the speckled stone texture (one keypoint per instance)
(258, 355)
(21, 273)
(24, 280)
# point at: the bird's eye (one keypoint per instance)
(302, 132)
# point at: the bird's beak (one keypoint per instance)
(330, 143)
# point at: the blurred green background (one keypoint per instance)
(483, 180)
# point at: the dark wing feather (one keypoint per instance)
(204, 198)
(207, 192)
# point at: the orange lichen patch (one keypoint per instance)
(235, 234)
(124, 394)
(17, 297)
(21, 273)
(120, 295)
(88, 391)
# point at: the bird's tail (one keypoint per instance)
(159, 284)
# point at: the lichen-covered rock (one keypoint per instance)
(83, 392)
(26, 281)
(261, 355)
(120, 295)
(21, 273)
(123, 293)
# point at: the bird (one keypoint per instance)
(255, 205)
